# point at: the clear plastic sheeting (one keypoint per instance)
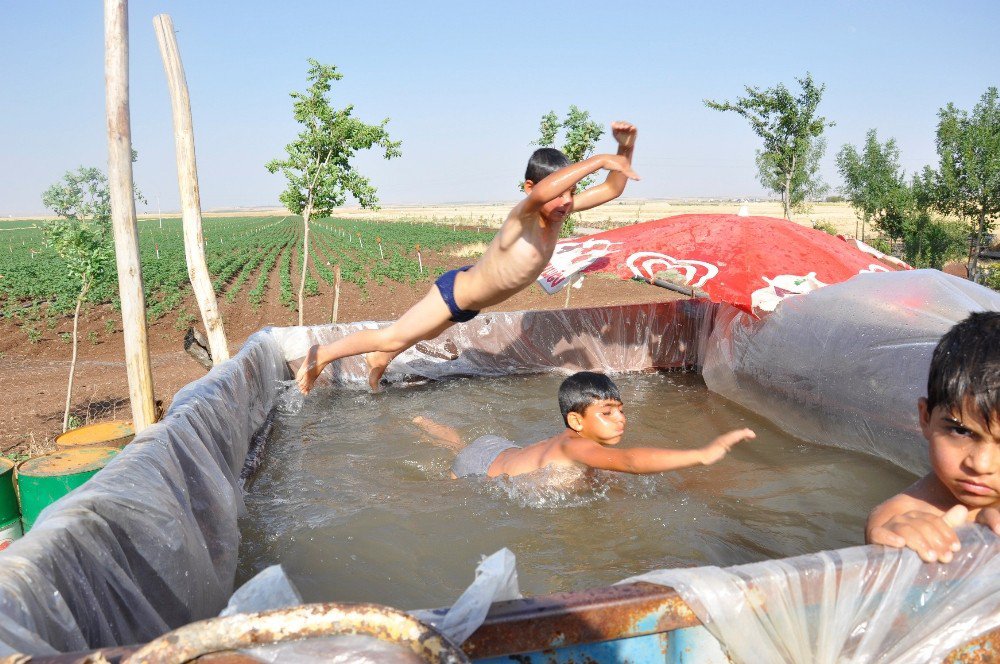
(149, 543)
(844, 365)
(612, 339)
(861, 604)
(496, 581)
(270, 589)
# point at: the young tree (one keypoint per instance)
(968, 182)
(580, 136)
(81, 238)
(318, 166)
(875, 185)
(806, 185)
(790, 129)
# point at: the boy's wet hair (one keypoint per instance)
(965, 367)
(584, 388)
(544, 162)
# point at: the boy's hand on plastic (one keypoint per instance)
(719, 447)
(990, 517)
(621, 164)
(930, 535)
(624, 133)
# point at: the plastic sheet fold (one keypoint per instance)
(844, 365)
(150, 542)
(861, 604)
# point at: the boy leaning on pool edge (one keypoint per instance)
(593, 413)
(514, 259)
(960, 418)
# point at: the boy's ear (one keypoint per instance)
(575, 421)
(925, 416)
(528, 185)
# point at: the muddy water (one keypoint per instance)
(356, 503)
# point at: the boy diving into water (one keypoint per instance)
(514, 259)
(592, 410)
(960, 418)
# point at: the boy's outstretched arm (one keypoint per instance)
(555, 185)
(642, 460)
(614, 185)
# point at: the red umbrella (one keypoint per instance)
(750, 262)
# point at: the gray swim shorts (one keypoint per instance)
(475, 459)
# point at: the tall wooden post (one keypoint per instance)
(187, 181)
(140, 373)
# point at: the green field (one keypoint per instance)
(241, 253)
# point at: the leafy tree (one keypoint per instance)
(318, 166)
(875, 185)
(968, 177)
(806, 183)
(790, 129)
(580, 136)
(82, 238)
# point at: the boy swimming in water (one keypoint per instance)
(514, 259)
(960, 418)
(592, 410)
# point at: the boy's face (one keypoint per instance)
(602, 422)
(964, 452)
(556, 210)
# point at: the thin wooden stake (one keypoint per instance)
(187, 182)
(336, 294)
(137, 364)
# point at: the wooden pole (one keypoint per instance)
(336, 295)
(187, 181)
(140, 373)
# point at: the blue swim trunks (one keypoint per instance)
(477, 456)
(446, 286)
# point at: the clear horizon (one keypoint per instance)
(465, 89)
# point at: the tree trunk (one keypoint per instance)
(187, 180)
(120, 185)
(305, 260)
(72, 362)
(976, 243)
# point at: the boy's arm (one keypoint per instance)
(555, 184)
(614, 185)
(643, 460)
(918, 519)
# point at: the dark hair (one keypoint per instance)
(582, 389)
(965, 367)
(543, 162)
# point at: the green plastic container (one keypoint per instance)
(10, 516)
(47, 478)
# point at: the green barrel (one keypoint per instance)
(47, 478)
(10, 516)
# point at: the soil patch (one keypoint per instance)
(33, 375)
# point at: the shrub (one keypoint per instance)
(826, 227)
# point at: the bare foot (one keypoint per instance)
(308, 371)
(377, 362)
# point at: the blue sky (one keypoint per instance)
(465, 85)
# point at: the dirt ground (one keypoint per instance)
(33, 376)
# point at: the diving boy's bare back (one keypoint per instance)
(513, 260)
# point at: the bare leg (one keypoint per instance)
(442, 435)
(426, 319)
(378, 361)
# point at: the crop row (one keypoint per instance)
(31, 274)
